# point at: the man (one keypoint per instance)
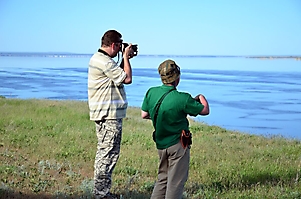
(170, 122)
(108, 104)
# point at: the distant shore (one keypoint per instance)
(274, 57)
(66, 54)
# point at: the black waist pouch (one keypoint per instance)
(186, 138)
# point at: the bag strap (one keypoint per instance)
(158, 106)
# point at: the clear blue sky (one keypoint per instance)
(175, 27)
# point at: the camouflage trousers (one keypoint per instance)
(109, 134)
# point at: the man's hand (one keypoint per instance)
(128, 52)
(201, 98)
(145, 115)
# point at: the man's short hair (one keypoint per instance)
(169, 71)
(111, 36)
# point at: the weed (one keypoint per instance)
(47, 150)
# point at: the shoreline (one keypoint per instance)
(192, 120)
(65, 55)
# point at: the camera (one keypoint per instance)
(134, 47)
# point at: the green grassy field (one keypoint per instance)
(47, 150)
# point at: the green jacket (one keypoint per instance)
(172, 115)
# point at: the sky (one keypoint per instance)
(159, 27)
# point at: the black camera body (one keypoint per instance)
(134, 47)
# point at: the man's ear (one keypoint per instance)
(113, 46)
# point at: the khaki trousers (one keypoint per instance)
(173, 172)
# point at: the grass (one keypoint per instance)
(47, 150)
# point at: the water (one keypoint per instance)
(249, 95)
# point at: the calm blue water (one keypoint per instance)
(249, 95)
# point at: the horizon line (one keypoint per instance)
(160, 55)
